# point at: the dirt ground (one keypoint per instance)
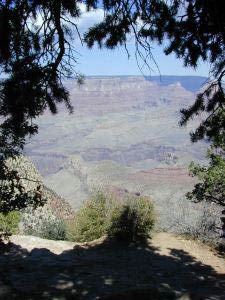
(165, 242)
(167, 267)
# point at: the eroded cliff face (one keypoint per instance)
(121, 126)
(116, 94)
(112, 84)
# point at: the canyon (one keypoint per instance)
(124, 133)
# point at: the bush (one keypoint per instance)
(100, 216)
(132, 221)
(193, 220)
(9, 223)
(53, 230)
(92, 220)
(42, 223)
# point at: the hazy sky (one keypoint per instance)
(116, 62)
(108, 62)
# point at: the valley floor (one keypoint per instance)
(164, 268)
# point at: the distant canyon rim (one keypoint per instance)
(123, 134)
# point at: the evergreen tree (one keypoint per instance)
(36, 54)
(212, 177)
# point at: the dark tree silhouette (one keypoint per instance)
(36, 54)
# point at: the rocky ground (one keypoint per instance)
(167, 267)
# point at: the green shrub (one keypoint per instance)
(9, 223)
(92, 220)
(132, 221)
(100, 216)
(53, 230)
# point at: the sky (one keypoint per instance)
(97, 61)
(115, 62)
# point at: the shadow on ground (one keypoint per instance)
(106, 271)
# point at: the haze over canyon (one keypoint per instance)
(123, 135)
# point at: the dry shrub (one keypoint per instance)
(43, 223)
(194, 220)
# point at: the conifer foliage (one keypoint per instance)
(37, 53)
